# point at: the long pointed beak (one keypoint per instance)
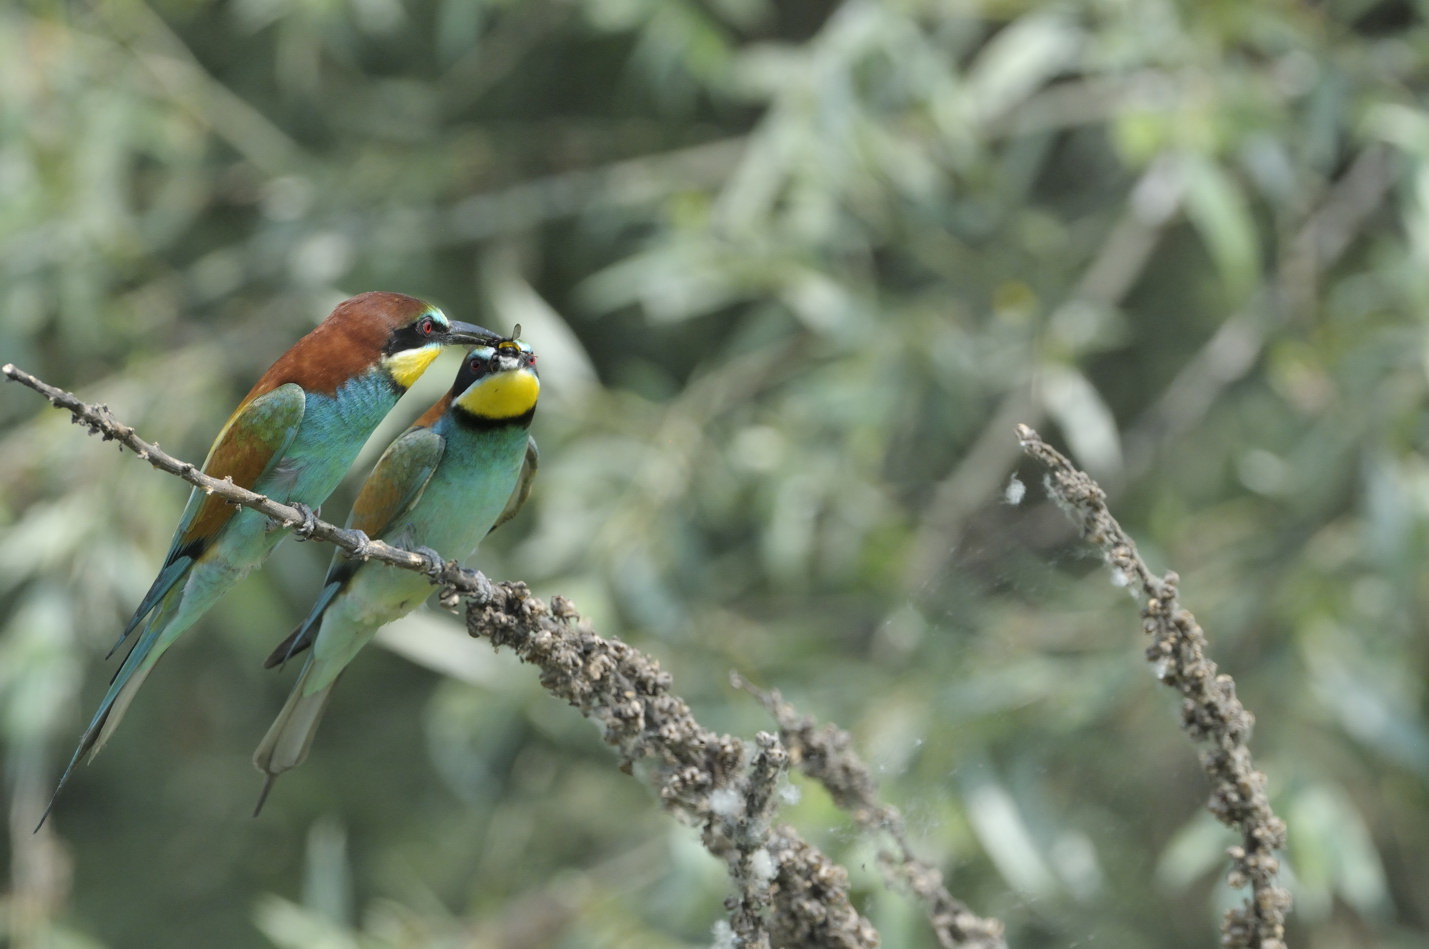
(469, 334)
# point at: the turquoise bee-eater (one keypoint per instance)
(292, 438)
(461, 470)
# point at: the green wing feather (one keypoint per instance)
(390, 492)
(250, 444)
(523, 484)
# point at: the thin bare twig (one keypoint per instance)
(180, 75)
(100, 421)
(1152, 202)
(1210, 712)
(1322, 238)
(631, 181)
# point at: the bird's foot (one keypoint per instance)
(268, 779)
(362, 549)
(450, 597)
(309, 523)
(435, 564)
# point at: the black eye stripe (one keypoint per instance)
(414, 335)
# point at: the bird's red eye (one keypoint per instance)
(426, 326)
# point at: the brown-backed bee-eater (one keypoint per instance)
(460, 471)
(292, 438)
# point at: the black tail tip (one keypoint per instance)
(46, 815)
(263, 794)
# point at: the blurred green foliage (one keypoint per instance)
(794, 271)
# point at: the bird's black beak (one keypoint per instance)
(469, 334)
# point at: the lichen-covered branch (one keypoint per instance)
(1210, 712)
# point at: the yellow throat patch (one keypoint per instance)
(509, 394)
(408, 365)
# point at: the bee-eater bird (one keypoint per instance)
(292, 438)
(462, 469)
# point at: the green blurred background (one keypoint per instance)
(794, 270)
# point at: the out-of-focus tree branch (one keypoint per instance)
(1210, 712)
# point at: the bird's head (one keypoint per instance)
(415, 332)
(497, 383)
(392, 333)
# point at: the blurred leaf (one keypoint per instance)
(289, 926)
(327, 884)
(1022, 57)
(1084, 419)
(1334, 855)
(1217, 208)
(1003, 832)
(1197, 850)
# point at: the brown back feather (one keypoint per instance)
(350, 340)
(341, 346)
